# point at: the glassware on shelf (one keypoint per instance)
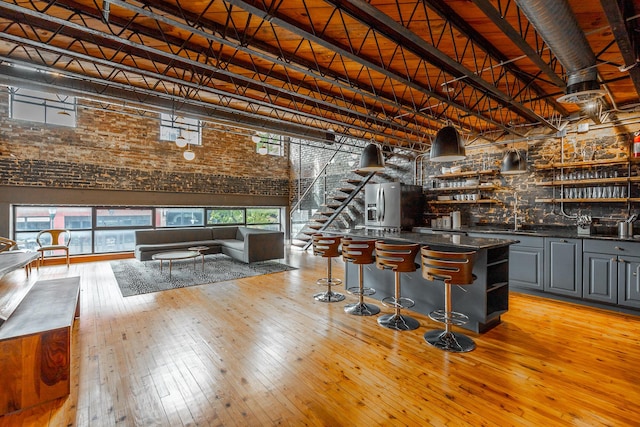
(587, 151)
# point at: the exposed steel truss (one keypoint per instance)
(394, 72)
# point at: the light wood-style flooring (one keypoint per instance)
(261, 351)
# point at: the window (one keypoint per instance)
(267, 143)
(112, 229)
(179, 217)
(266, 218)
(181, 130)
(42, 107)
(225, 216)
(118, 217)
(76, 219)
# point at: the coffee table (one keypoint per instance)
(200, 250)
(173, 256)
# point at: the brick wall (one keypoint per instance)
(609, 142)
(121, 150)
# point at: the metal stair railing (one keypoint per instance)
(343, 205)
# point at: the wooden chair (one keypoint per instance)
(360, 253)
(327, 247)
(7, 244)
(400, 258)
(53, 240)
(452, 268)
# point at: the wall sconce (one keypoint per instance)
(371, 159)
(514, 162)
(448, 146)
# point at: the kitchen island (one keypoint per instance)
(484, 301)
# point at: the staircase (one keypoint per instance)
(336, 209)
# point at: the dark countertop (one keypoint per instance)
(530, 230)
(432, 239)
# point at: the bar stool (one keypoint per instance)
(400, 258)
(359, 252)
(327, 247)
(453, 268)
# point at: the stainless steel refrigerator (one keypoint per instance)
(393, 205)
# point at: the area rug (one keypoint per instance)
(136, 277)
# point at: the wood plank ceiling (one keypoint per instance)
(391, 70)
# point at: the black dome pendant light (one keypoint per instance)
(371, 159)
(447, 146)
(513, 162)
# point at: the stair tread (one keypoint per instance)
(353, 181)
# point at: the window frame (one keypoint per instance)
(173, 127)
(54, 106)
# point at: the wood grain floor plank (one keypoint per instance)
(261, 351)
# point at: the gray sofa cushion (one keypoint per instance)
(171, 235)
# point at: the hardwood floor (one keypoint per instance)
(261, 351)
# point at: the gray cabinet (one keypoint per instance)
(612, 272)
(563, 261)
(526, 263)
(629, 280)
(526, 260)
(600, 277)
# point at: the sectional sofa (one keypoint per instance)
(241, 243)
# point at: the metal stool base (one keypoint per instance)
(398, 322)
(361, 309)
(328, 296)
(449, 341)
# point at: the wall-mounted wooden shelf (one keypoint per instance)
(466, 174)
(474, 187)
(589, 181)
(461, 202)
(590, 200)
(583, 164)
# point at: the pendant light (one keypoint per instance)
(448, 146)
(189, 154)
(181, 141)
(371, 159)
(513, 163)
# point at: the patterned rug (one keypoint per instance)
(135, 277)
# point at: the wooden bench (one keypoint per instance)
(35, 345)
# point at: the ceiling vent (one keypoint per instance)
(558, 27)
(582, 88)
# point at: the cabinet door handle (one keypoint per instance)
(621, 260)
(614, 259)
(618, 248)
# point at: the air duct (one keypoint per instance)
(558, 27)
